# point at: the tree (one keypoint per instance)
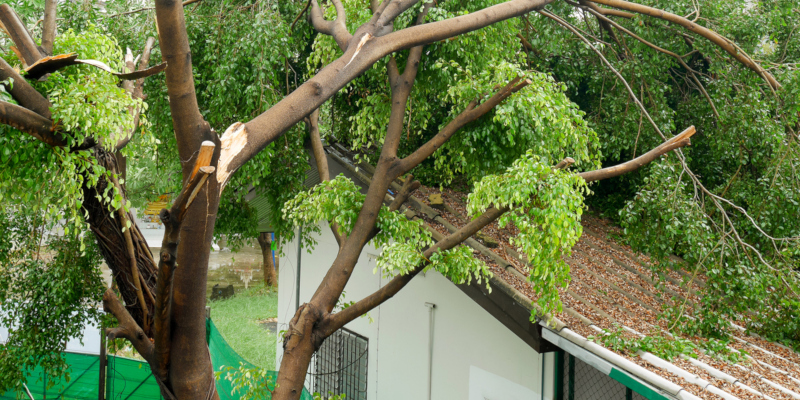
(164, 302)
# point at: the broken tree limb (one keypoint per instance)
(719, 40)
(204, 157)
(52, 64)
(680, 140)
(19, 35)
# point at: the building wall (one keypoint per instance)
(474, 355)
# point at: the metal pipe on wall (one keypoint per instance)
(431, 307)
(299, 256)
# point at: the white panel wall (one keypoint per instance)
(465, 336)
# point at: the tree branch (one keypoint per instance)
(338, 320)
(473, 112)
(23, 92)
(128, 328)
(336, 28)
(31, 123)
(321, 159)
(714, 37)
(593, 9)
(409, 186)
(138, 91)
(19, 35)
(678, 141)
(262, 130)
(49, 27)
(190, 127)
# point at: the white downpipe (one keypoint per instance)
(431, 307)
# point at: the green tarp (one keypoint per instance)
(129, 379)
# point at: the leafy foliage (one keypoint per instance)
(46, 282)
(545, 205)
(668, 347)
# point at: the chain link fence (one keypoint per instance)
(577, 380)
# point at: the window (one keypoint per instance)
(340, 366)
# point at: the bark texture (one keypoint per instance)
(268, 266)
(108, 230)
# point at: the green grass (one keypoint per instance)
(237, 319)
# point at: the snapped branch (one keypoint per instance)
(680, 140)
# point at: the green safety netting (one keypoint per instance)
(223, 355)
(129, 379)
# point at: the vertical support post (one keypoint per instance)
(628, 394)
(101, 392)
(558, 381)
(299, 256)
(541, 386)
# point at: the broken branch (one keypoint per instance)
(680, 140)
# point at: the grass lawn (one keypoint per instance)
(237, 319)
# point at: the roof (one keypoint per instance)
(612, 286)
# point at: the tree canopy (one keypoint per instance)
(519, 102)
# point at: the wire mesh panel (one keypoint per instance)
(581, 381)
(340, 366)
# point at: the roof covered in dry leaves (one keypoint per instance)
(613, 286)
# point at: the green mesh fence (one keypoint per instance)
(129, 379)
(84, 375)
(223, 355)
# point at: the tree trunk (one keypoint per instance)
(265, 241)
(107, 229)
(300, 343)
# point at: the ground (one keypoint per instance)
(243, 320)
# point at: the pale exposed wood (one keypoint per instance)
(203, 157)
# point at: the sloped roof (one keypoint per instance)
(612, 285)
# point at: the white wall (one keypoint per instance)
(474, 355)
